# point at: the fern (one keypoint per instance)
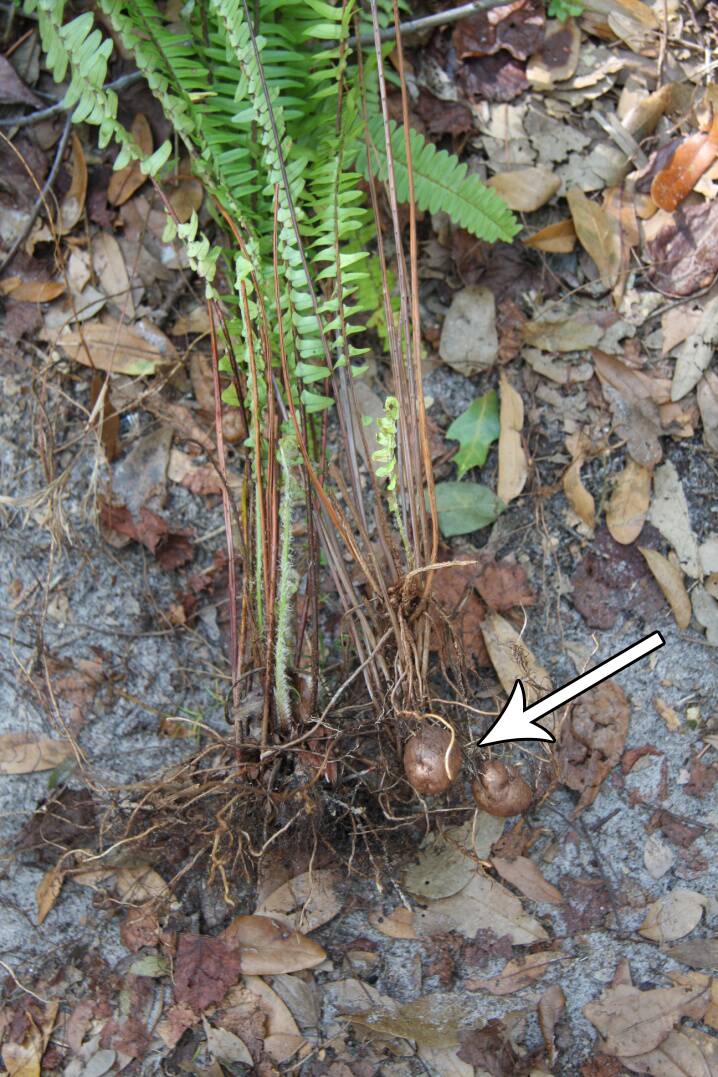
(441, 182)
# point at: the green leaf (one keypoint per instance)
(476, 430)
(465, 507)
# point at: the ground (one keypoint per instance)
(578, 938)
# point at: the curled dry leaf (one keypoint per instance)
(592, 740)
(628, 508)
(267, 946)
(691, 159)
(129, 179)
(578, 497)
(48, 891)
(670, 580)
(526, 877)
(512, 659)
(673, 915)
(550, 1010)
(527, 189)
(305, 902)
(598, 233)
(25, 753)
(517, 974)
(513, 468)
(558, 238)
(73, 204)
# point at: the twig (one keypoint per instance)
(40, 201)
(59, 107)
(415, 26)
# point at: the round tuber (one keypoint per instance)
(499, 790)
(426, 763)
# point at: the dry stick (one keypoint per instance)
(59, 107)
(40, 201)
(427, 22)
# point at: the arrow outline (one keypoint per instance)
(519, 687)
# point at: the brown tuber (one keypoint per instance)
(425, 761)
(499, 790)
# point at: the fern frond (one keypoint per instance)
(441, 182)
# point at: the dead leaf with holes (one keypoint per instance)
(598, 233)
(129, 179)
(26, 753)
(628, 508)
(513, 467)
(592, 740)
(578, 497)
(305, 902)
(673, 915)
(670, 580)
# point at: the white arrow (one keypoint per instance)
(518, 722)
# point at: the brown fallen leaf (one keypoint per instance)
(527, 189)
(503, 585)
(489, 1049)
(305, 902)
(670, 580)
(109, 265)
(684, 1053)
(526, 877)
(630, 501)
(24, 1058)
(512, 659)
(398, 924)
(204, 970)
(513, 467)
(558, 238)
(13, 90)
(114, 347)
(598, 233)
(696, 953)
(25, 753)
(267, 946)
(690, 160)
(32, 291)
(578, 497)
(48, 891)
(592, 740)
(707, 395)
(171, 548)
(129, 179)
(633, 1022)
(551, 1007)
(558, 56)
(516, 974)
(73, 204)
(683, 253)
(673, 915)
(483, 903)
(282, 1036)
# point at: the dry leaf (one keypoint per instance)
(398, 924)
(694, 354)
(24, 1059)
(670, 580)
(558, 57)
(283, 1038)
(631, 498)
(305, 902)
(118, 348)
(578, 497)
(513, 468)
(592, 740)
(25, 753)
(633, 1022)
(512, 659)
(684, 1053)
(31, 291)
(550, 1009)
(267, 946)
(73, 204)
(669, 514)
(129, 179)
(225, 1046)
(658, 856)
(697, 953)
(446, 861)
(469, 342)
(516, 974)
(691, 159)
(48, 891)
(558, 238)
(484, 903)
(598, 233)
(707, 395)
(527, 189)
(526, 877)
(112, 272)
(140, 883)
(673, 916)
